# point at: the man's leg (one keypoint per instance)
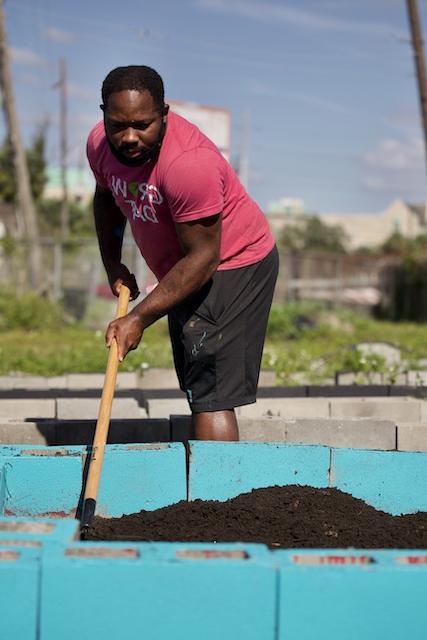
(216, 425)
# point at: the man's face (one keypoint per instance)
(133, 124)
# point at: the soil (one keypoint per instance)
(280, 517)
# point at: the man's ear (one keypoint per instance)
(165, 111)
(102, 107)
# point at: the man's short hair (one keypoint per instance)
(134, 78)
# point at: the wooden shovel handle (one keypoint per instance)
(104, 414)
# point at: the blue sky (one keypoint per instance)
(328, 85)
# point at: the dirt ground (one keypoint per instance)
(281, 517)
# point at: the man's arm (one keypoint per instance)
(200, 241)
(110, 225)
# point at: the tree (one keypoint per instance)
(314, 235)
(36, 168)
(81, 218)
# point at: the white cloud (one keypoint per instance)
(395, 166)
(273, 12)
(27, 57)
(392, 154)
(58, 35)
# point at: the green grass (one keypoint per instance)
(309, 339)
(304, 339)
(75, 350)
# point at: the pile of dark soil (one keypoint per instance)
(286, 517)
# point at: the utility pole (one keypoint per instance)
(418, 49)
(24, 196)
(244, 150)
(63, 144)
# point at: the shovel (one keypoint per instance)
(103, 422)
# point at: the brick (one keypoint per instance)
(39, 484)
(400, 410)
(19, 593)
(46, 531)
(88, 408)
(267, 378)
(383, 598)
(417, 378)
(47, 481)
(164, 407)
(37, 383)
(125, 380)
(363, 433)
(350, 390)
(412, 437)
(250, 465)
(42, 432)
(14, 409)
(393, 481)
(154, 378)
(145, 590)
(286, 408)
(145, 476)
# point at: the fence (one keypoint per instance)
(74, 273)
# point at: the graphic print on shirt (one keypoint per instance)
(140, 198)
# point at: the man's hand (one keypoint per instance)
(127, 332)
(119, 274)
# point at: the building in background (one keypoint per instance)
(286, 212)
(372, 229)
(80, 184)
(214, 122)
(363, 229)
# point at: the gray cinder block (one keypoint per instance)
(359, 433)
(87, 408)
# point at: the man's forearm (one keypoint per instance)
(110, 225)
(185, 278)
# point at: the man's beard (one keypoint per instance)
(145, 156)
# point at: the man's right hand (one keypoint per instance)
(120, 274)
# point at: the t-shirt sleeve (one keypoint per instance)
(194, 185)
(93, 159)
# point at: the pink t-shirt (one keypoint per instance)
(189, 180)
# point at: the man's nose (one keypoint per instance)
(129, 136)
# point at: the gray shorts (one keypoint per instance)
(218, 336)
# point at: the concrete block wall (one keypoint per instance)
(388, 480)
(328, 595)
(16, 531)
(174, 591)
(103, 591)
(19, 592)
(47, 481)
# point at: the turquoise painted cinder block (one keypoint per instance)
(2, 487)
(382, 599)
(393, 481)
(47, 481)
(41, 480)
(19, 593)
(219, 471)
(136, 477)
(159, 595)
(15, 530)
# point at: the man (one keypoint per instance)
(206, 241)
